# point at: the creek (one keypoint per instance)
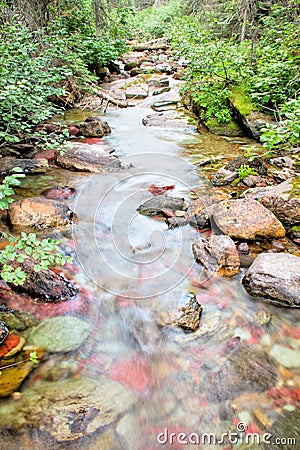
(138, 272)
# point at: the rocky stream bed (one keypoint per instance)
(180, 311)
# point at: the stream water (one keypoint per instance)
(139, 272)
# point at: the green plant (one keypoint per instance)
(45, 253)
(32, 357)
(6, 190)
(244, 171)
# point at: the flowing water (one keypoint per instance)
(139, 273)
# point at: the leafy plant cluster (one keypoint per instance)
(6, 190)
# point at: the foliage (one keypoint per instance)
(244, 171)
(6, 190)
(286, 133)
(44, 252)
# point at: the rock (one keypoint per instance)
(283, 175)
(45, 285)
(217, 255)
(246, 370)
(74, 131)
(161, 90)
(285, 356)
(280, 200)
(28, 165)
(158, 203)
(59, 192)
(159, 82)
(283, 161)
(199, 211)
(68, 409)
(246, 219)
(137, 92)
(93, 126)
(40, 213)
(243, 248)
(16, 320)
(12, 377)
(59, 334)
(191, 314)
(252, 181)
(275, 276)
(85, 158)
(171, 120)
(3, 332)
(13, 344)
(229, 172)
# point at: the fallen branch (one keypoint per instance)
(102, 94)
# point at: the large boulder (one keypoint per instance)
(93, 126)
(40, 213)
(246, 219)
(275, 276)
(280, 200)
(86, 158)
(28, 165)
(198, 212)
(218, 255)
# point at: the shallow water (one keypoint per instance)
(139, 272)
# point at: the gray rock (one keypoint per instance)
(158, 203)
(93, 126)
(16, 320)
(28, 165)
(59, 334)
(287, 357)
(3, 332)
(217, 255)
(275, 276)
(68, 409)
(283, 161)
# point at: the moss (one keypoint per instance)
(241, 100)
(295, 188)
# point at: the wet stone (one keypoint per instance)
(287, 357)
(157, 204)
(16, 320)
(59, 334)
(191, 314)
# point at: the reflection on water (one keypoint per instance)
(138, 375)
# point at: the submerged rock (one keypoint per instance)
(246, 219)
(59, 334)
(85, 158)
(218, 255)
(287, 357)
(68, 409)
(275, 276)
(12, 377)
(93, 126)
(59, 192)
(40, 212)
(286, 427)
(191, 314)
(246, 370)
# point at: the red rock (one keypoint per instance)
(79, 306)
(133, 374)
(296, 394)
(46, 154)
(10, 342)
(74, 131)
(292, 332)
(253, 428)
(158, 190)
(93, 140)
(59, 192)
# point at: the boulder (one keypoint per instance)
(218, 255)
(13, 373)
(40, 213)
(28, 165)
(275, 276)
(199, 210)
(59, 193)
(171, 120)
(85, 158)
(59, 334)
(280, 200)
(246, 219)
(93, 126)
(69, 409)
(45, 285)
